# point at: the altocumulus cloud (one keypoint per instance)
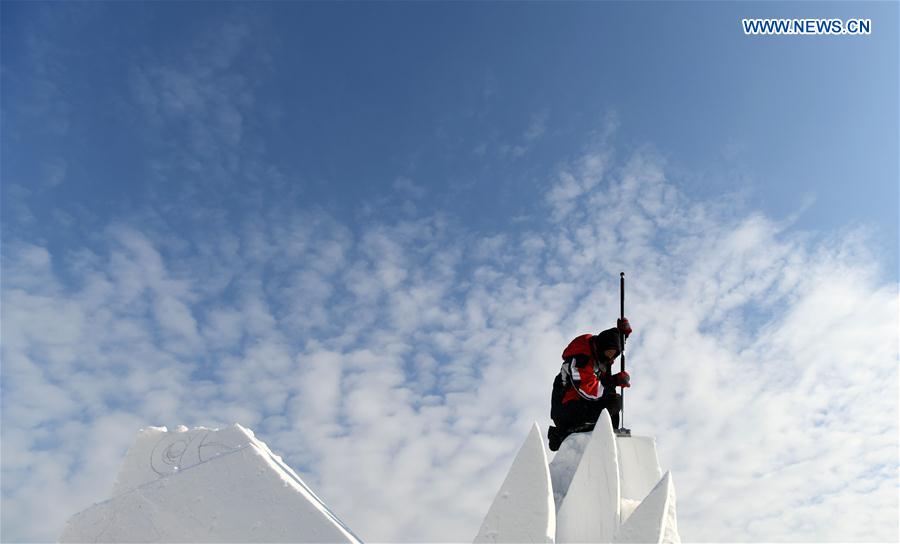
(398, 366)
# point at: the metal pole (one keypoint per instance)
(622, 342)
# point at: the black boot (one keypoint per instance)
(555, 438)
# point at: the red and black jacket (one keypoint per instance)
(586, 372)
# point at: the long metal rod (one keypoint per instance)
(622, 342)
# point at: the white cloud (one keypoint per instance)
(577, 181)
(408, 187)
(536, 128)
(53, 172)
(194, 101)
(407, 362)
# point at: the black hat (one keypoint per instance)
(608, 339)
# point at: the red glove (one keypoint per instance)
(624, 326)
(622, 379)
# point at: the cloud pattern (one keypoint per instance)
(398, 363)
(397, 367)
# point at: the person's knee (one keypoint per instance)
(613, 401)
(617, 405)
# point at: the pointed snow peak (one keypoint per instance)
(654, 520)
(608, 487)
(590, 510)
(205, 485)
(523, 509)
(565, 463)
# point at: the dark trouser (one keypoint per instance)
(580, 412)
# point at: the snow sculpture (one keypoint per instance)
(523, 509)
(206, 485)
(564, 464)
(654, 519)
(157, 453)
(591, 508)
(606, 488)
(638, 466)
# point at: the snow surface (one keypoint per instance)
(206, 485)
(209, 485)
(565, 463)
(638, 466)
(643, 515)
(523, 510)
(654, 519)
(590, 510)
(157, 452)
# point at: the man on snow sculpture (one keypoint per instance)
(585, 385)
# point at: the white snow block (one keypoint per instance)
(638, 466)
(590, 510)
(628, 507)
(246, 494)
(654, 520)
(523, 510)
(156, 452)
(565, 463)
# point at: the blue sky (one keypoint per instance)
(205, 207)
